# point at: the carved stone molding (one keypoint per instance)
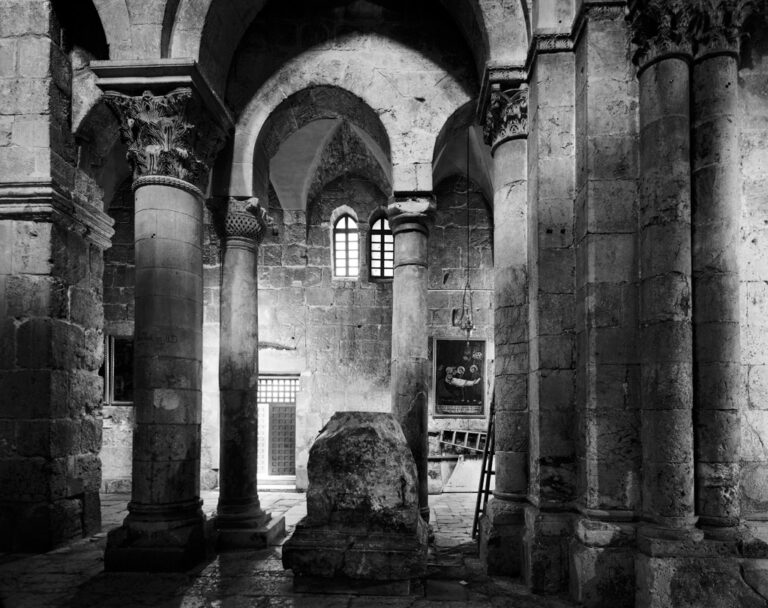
(240, 219)
(506, 117)
(660, 28)
(717, 25)
(168, 135)
(46, 202)
(409, 210)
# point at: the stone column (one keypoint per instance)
(602, 557)
(506, 130)
(240, 520)
(409, 216)
(666, 345)
(716, 225)
(170, 144)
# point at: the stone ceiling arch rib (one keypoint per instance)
(116, 22)
(411, 118)
(210, 31)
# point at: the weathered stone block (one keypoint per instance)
(602, 577)
(362, 485)
(693, 582)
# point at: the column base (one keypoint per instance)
(267, 533)
(677, 569)
(500, 540)
(545, 547)
(155, 547)
(602, 563)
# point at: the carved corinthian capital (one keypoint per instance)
(660, 28)
(506, 117)
(167, 135)
(241, 219)
(716, 25)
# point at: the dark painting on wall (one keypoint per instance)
(459, 377)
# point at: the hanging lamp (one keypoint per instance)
(465, 318)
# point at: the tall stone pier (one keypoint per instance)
(240, 521)
(164, 526)
(409, 216)
(506, 130)
(716, 283)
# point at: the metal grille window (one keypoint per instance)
(277, 414)
(345, 247)
(382, 250)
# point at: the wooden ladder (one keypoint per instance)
(484, 487)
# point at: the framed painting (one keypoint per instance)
(459, 377)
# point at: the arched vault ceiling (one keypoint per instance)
(319, 153)
(317, 103)
(211, 30)
(451, 159)
(413, 97)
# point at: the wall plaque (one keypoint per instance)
(459, 377)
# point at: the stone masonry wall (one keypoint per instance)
(51, 312)
(447, 277)
(118, 420)
(753, 93)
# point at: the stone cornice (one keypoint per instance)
(240, 219)
(505, 77)
(161, 76)
(717, 25)
(660, 29)
(173, 123)
(506, 117)
(43, 201)
(411, 208)
(167, 135)
(686, 28)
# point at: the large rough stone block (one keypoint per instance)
(362, 518)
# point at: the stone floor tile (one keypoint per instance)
(73, 577)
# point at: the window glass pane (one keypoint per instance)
(346, 245)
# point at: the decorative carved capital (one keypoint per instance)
(507, 116)
(717, 25)
(242, 219)
(168, 135)
(410, 209)
(660, 28)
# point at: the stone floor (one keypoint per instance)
(73, 576)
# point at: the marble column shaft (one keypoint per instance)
(409, 219)
(239, 507)
(501, 532)
(164, 527)
(169, 318)
(511, 319)
(716, 224)
(665, 295)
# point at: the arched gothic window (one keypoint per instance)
(346, 255)
(382, 250)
